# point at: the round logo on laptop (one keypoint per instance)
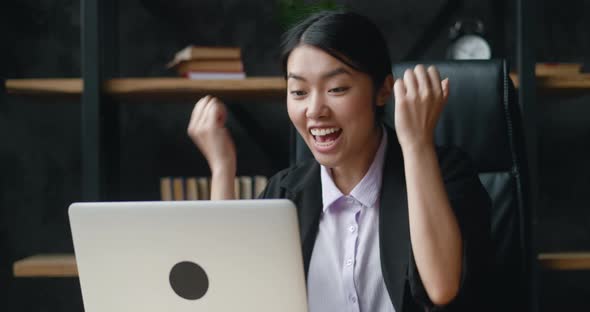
(189, 280)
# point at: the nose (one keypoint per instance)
(316, 107)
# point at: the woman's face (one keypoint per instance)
(331, 105)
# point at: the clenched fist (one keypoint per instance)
(419, 100)
(207, 130)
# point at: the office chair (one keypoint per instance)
(483, 119)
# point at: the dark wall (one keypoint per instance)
(40, 150)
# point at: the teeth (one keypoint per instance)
(324, 131)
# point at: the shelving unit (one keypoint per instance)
(134, 89)
(251, 88)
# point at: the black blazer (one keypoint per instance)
(469, 200)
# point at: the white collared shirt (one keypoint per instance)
(345, 267)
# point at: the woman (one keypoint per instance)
(389, 221)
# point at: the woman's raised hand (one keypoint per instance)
(207, 130)
(419, 100)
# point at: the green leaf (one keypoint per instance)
(290, 12)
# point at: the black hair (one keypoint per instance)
(350, 37)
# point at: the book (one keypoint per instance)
(213, 75)
(203, 187)
(212, 66)
(199, 188)
(237, 189)
(166, 188)
(192, 190)
(245, 187)
(260, 183)
(192, 52)
(178, 188)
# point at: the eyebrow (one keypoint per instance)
(330, 74)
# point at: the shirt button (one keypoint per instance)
(352, 298)
(352, 228)
(349, 262)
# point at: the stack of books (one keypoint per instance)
(197, 62)
(199, 188)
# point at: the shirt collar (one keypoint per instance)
(367, 190)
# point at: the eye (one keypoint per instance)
(338, 90)
(298, 93)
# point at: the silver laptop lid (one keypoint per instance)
(189, 256)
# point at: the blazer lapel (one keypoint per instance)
(394, 233)
(304, 188)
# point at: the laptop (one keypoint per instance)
(233, 255)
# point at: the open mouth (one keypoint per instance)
(325, 137)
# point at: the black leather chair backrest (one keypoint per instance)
(483, 119)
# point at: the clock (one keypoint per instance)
(468, 41)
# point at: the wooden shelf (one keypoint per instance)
(577, 82)
(45, 87)
(55, 265)
(64, 265)
(155, 88)
(181, 88)
(565, 261)
(557, 69)
(167, 89)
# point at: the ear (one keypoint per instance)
(386, 90)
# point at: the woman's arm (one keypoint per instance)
(222, 184)
(434, 231)
(207, 130)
